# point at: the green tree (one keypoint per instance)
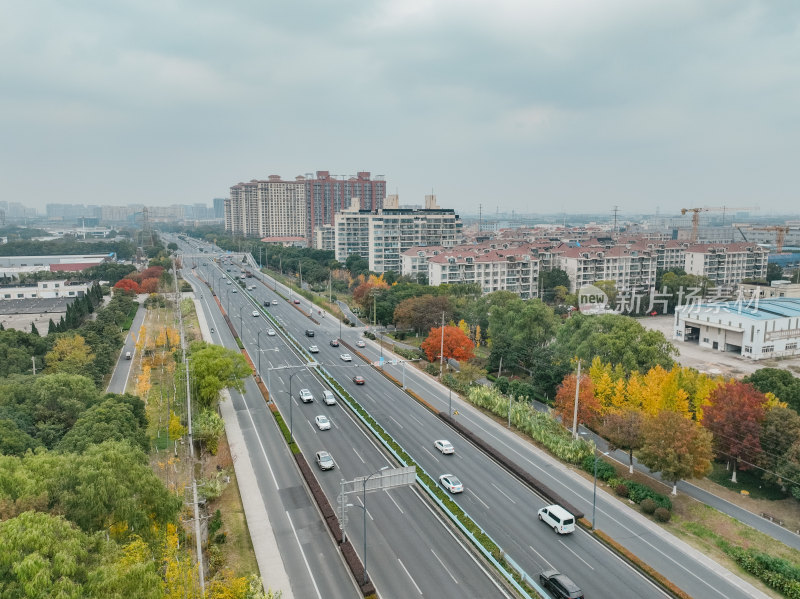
(13, 440)
(422, 313)
(46, 556)
(774, 272)
(55, 401)
(208, 428)
(215, 368)
(676, 447)
(615, 339)
(519, 330)
(110, 420)
(780, 430)
(782, 383)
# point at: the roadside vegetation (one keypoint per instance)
(93, 485)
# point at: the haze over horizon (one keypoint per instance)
(545, 107)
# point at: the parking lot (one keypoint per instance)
(714, 362)
(20, 313)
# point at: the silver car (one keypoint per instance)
(305, 396)
(324, 460)
(329, 398)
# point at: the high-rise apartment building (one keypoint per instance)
(267, 208)
(327, 195)
(219, 208)
(382, 236)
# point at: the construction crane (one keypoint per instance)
(780, 235)
(696, 215)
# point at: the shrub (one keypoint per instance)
(502, 384)
(648, 505)
(605, 471)
(621, 490)
(432, 369)
(521, 389)
(662, 514)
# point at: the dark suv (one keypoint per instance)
(561, 586)
(309, 333)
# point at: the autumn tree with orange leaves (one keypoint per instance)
(588, 406)
(456, 344)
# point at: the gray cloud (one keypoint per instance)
(531, 106)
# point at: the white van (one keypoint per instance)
(557, 518)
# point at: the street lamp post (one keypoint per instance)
(258, 344)
(291, 401)
(364, 501)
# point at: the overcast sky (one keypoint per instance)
(523, 105)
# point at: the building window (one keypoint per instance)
(748, 349)
(767, 349)
(791, 346)
(705, 339)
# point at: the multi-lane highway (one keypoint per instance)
(404, 559)
(499, 503)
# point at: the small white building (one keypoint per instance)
(45, 289)
(755, 329)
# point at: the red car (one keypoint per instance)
(358, 380)
(297, 301)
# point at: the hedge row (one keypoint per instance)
(637, 492)
(775, 572)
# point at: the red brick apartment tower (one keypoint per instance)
(328, 194)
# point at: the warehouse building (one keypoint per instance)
(753, 328)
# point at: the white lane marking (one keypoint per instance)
(395, 421)
(444, 567)
(397, 505)
(358, 497)
(359, 456)
(418, 421)
(502, 493)
(303, 553)
(409, 576)
(430, 453)
(478, 498)
(446, 527)
(575, 554)
(549, 565)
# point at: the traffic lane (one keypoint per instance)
(315, 567)
(389, 513)
(312, 565)
(119, 378)
(617, 520)
(487, 487)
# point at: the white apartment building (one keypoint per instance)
(515, 270)
(324, 238)
(631, 267)
(382, 236)
(267, 208)
(726, 265)
(414, 261)
(755, 329)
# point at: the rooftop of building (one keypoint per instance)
(755, 309)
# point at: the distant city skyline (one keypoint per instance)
(537, 107)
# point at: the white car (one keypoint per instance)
(313, 349)
(444, 446)
(451, 483)
(271, 332)
(305, 396)
(323, 423)
(255, 312)
(274, 302)
(360, 343)
(346, 357)
(329, 398)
